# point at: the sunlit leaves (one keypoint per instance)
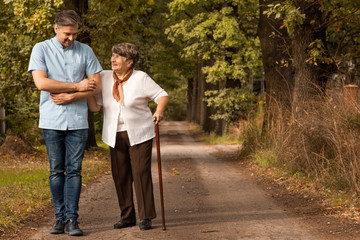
(141, 23)
(231, 104)
(340, 19)
(289, 13)
(221, 34)
(27, 22)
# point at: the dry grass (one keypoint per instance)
(324, 144)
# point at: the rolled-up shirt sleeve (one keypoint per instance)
(92, 63)
(37, 59)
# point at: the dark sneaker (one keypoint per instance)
(121, 224)
(58, 227)
(72, 228)
(145, 224)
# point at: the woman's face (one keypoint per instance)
(119, 63)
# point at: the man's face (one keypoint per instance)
(66, 35)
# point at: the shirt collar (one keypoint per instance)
(57, 44)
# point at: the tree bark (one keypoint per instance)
(278, 70)
(310, 77)
(190, 100)
(197, 109)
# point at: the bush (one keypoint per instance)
(324, 143)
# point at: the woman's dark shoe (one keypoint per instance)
(58, 227)
(72, 228)
(121, 224)
(145, 224)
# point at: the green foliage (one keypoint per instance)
(142, 23)
(25, 109)
(111, 22)
(352, 122)
(340, 19)
(264, 159)
(176, 110)
(214, 139)
(289, 13)
(221, 34)
(231, 104)
(318, 53)
(23, 23)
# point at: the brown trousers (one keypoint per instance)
(132, 164)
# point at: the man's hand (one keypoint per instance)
(61, 98)
(86, 85)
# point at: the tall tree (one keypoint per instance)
(219, 37)
(310, 77)
(312, 25)
(23, 23)
(276, 56)
(142, 23)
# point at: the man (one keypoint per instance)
(59, 67)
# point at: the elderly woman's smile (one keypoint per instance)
(120, 64)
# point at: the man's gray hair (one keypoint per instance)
(67, 18)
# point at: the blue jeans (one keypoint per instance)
(65, 150)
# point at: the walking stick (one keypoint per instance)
(160, 175)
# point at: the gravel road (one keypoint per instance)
(205, 198)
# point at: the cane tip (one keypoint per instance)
(164, 228)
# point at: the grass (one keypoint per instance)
(321, 148)
(24, 185)
(214, 139)
(231, 138)
(264, 159)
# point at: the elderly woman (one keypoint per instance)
(128, 129)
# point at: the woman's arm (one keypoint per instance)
(159, 114)
(92, 105)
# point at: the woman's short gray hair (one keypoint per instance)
(127, 50)
(67, 18)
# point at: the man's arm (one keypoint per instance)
(44, 83)
(65, 98)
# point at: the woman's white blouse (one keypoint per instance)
(138, 90)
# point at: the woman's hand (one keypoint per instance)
(158, 116)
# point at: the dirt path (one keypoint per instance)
(205, 198)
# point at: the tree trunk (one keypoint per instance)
(276, 51)
(195, 104)
(190, 100)
(198, 111)
(310, 77)
(80, 6)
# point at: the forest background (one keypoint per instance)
(205, 53)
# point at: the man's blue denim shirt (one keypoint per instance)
(72, 64)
